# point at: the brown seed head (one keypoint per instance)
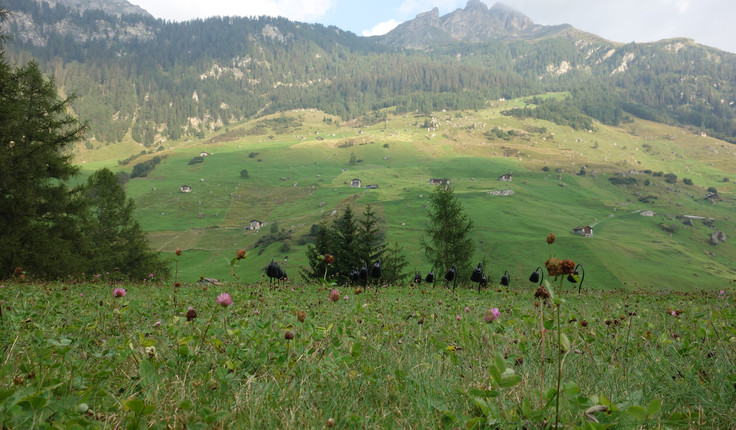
(551, 238)
(289, 335)
(541, 293)
(358, 290)
(241, 254)
(178, 252)
(553, 266)
(329, 258)
(191, 313)
(567, 267)
(301, 316)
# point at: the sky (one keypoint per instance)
(708, 22)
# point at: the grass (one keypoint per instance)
(402, 356)
(296, 180)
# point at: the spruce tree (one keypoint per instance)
(447, 240)
(115, 239)
(39, 213)
(370, 245)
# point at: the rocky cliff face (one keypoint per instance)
(111, 7)
(475, 23)
(24, 28)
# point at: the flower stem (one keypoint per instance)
(541, 377)
(559, 361)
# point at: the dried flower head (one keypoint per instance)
(358, 290)
(119, 292)
(18, 271)
(541, 293)
(334, 295)
(553, 266)
(301, 316)
(241, 254)
(191, 313)
(567, 267)
(177, 284)
(289, 335)
(551, 238)
(178, 252)
(224, 300)
(328, 258)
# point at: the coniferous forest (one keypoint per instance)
(163, 80)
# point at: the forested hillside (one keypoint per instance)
(161, 80)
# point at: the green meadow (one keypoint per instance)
(303, 356)
(301, 176)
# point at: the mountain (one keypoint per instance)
(154, 81)
(110, 7)
(476, 23)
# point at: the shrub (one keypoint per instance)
(196, 160)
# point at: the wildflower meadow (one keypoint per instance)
(536, 353)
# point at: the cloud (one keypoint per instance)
(381, 28)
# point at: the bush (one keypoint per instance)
(244, 174)
(622, 180)
(143, 169)
(687, 181)
(196, 160)
(670, 178)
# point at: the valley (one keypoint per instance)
(301, 176)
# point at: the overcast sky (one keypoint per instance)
(709, 22)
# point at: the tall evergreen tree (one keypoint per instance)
(39, 213)
(347, 244)
(447, 240)
(115, 237)
(370, 245)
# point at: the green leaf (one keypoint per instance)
(483, 406)
(637, 412)
(564, 343)
(495, 374)
(149, 374)
(653, 407)
(474, 392)
(571, 389)
(500, 362)
(509, 381)
(149, 342)
(186, 405)
(356, 349)
(134, 405)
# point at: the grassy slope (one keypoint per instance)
(297, 180)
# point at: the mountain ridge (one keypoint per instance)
(228, 69)
(473, 24)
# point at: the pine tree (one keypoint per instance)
(447, 240)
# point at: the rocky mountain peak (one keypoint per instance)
(475, 23)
